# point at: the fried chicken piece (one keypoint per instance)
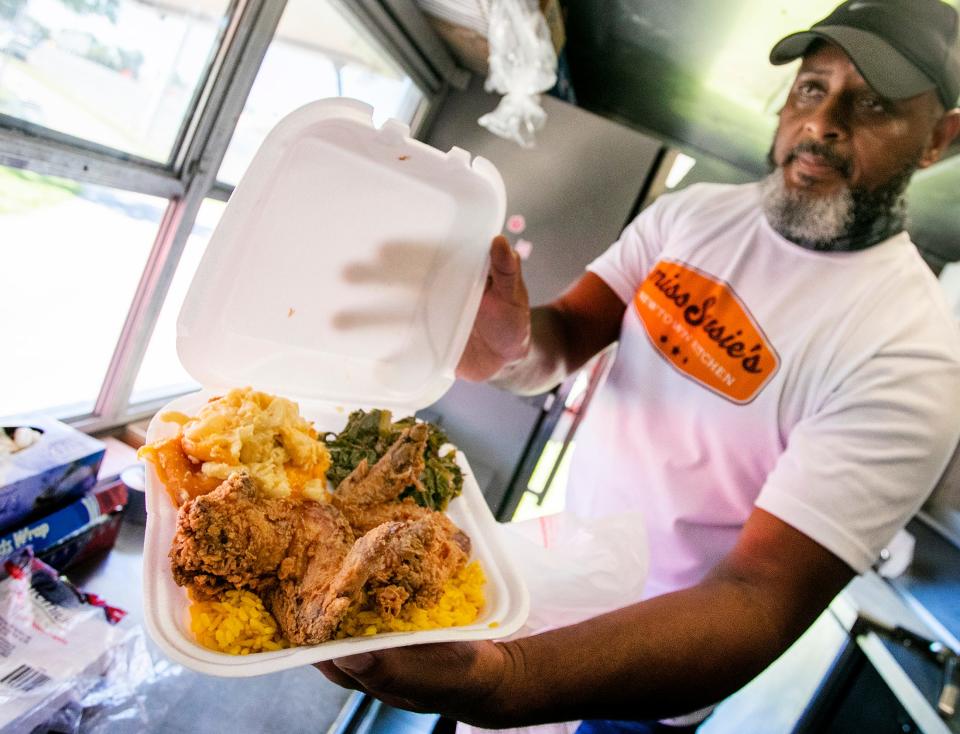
(236, 538)
(368, 496)
(424, 560)
(363, 518)
(395, 561)
(400, 467)
(230, 538)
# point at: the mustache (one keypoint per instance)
(821, 150)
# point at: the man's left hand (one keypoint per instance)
(457, 679)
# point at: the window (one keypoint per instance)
(72, 255)
(161, 373)
(119, 73)
(108, 110)
(317, 52)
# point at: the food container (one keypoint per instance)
(345, 273)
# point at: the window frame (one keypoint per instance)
(189, 175)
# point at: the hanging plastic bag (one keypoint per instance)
(523, 64)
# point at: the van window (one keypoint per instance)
(72, 255)
(123, 77)
(108, 112)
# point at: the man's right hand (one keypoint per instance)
(501, 332)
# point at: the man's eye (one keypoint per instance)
(873, 104)
(808, 89)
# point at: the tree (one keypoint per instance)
(96, 7)
(10, 8)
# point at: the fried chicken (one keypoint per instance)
(394, 562)
(231, 538)
(311, 561)
(366, 517)
(368, 497)
(400, 467)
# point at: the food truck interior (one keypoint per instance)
(125, 126)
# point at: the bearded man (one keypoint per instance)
(785, 394)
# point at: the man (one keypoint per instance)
(785, 394)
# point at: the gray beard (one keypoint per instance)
(852, 219)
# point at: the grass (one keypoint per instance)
(21, 191)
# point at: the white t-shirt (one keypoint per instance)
(821, 387)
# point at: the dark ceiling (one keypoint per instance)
(695, 73)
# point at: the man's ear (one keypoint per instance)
(946, 129)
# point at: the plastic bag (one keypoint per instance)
(52, 636)
(118, 700)
(128, 696)
(577, 568)
(64, 654)
(523, 64)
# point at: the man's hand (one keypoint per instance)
(458, 679)
(501, 332)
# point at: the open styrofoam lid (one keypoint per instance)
(347, 267)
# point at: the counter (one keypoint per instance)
(299, 700)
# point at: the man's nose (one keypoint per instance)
(828, 121)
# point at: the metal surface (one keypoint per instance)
(919, 708)
(401, 28)
(877, 684)
(575, 190)
(949, 696)
(933, 650)
(931, 585)
(55, 154)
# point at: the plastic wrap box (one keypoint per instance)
(36, 480)
(81, 529)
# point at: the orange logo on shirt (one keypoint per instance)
(699, 325)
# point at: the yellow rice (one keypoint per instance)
(239, 624)
(460, 604)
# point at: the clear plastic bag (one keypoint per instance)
(576, 568)
(118, 700)
(65, 655)
(523, 64)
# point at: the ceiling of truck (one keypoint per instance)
(695, 73)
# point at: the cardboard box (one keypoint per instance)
(36, 480)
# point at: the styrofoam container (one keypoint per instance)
(345, 273)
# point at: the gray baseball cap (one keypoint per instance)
(901, 47)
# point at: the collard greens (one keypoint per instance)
(368, 435)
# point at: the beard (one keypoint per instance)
(852, 218)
